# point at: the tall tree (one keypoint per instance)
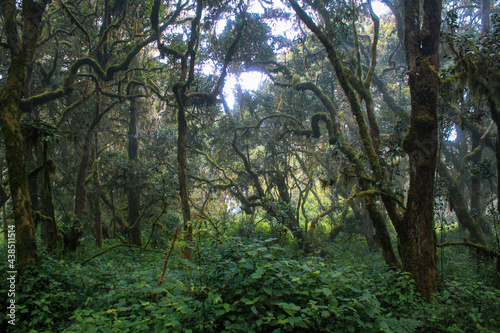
(22, 49)
(422, 25)
(415, 224)
(133, 195)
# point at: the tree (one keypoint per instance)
(22, 49)
(415, 226)
(416, 233)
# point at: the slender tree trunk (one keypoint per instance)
(82, 173)
(464, 216)
(367, 227)
(475, 182)
(416, 232)
(181, 163)
(485, 15)
(51, 236)
(133, 194)
(81, 192)
(95, 198)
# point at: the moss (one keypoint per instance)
(425, 118)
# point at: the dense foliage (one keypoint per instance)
(237, 285)
(250, 166)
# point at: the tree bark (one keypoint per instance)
(416, 232)
(22, 52)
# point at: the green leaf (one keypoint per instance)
(248, 265)
(258, 273)
(327, 291)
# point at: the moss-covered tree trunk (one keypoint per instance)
(80, 194)
(133, 194)
(22, 52)
(182, 164)
(416, 232)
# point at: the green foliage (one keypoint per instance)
(237, 286)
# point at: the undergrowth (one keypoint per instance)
(243, 286)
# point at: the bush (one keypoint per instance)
(237, 286)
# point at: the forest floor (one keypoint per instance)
(239, 285)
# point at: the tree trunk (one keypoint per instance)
(485, 16)
(133, 194)
(464, 216)
(3, 200)
(416, 232)
(475, 182)
(95, 202)
(181, 163)
(84, 163)
(51, 236)
(82, 173)
(81, 192)
(10, 97)
(22, 52)
(367, 227)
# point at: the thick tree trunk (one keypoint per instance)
(22, 52)
(416, 232)
(10, 97)
(133, 194)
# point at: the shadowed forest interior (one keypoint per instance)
(250, 165)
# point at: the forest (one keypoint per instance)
(250, 165)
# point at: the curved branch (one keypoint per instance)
(481, 248)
